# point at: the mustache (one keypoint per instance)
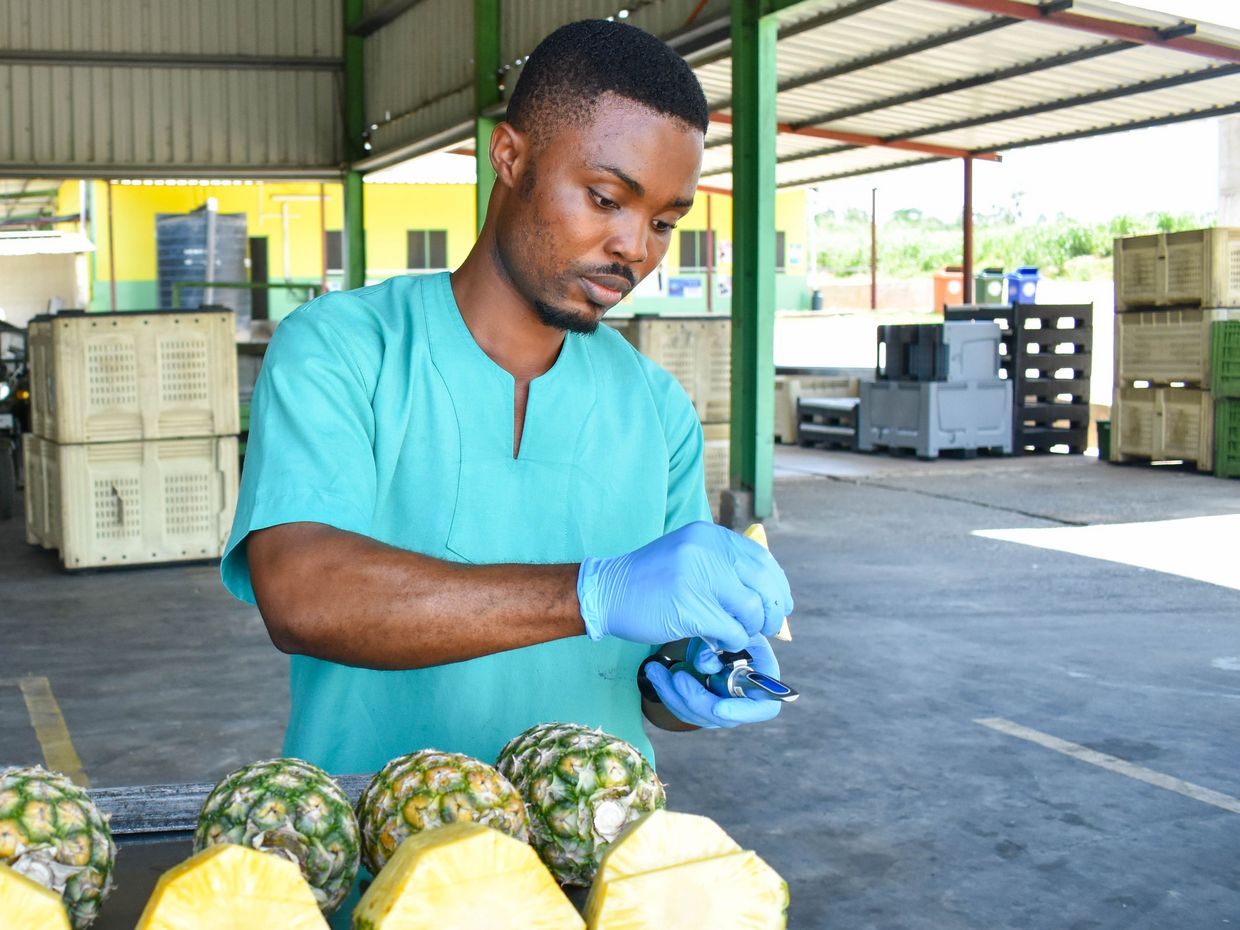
(622, 271)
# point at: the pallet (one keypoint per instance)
(830, 422)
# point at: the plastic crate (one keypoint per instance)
(952, 351)
(715, 457)
(1227, 437)
(1225, 358)
(827, 421)
(791, 388)
(116, 377)
(1199, 267)
(1162, 346)
(136, 503)
(696, 352)
(1163, 424)
(931, 416)
(35, 492)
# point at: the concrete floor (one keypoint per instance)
(878, 796)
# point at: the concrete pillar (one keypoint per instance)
(1229, 171)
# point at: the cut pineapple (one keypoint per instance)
(228, 887)
(663, 839)
(468, 877)
(737, 890)
(27, 905)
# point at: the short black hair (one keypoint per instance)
(569, 71)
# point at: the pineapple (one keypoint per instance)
(427, 789)
(229, 887)
(581, 787)
(682, 870)
(294, 810)
(465, 876)
(51, 832)
(27, 905)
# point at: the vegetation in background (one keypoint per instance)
(911, 245)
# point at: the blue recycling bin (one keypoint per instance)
(1022, 285)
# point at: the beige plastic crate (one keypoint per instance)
(791, 388)
(697, 353)
(35, 493)
(1199, 267)
(136, 503)
(715, 456)
(1163, 424)
(1162, 346)
(115, 377)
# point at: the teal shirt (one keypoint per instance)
(376, 412)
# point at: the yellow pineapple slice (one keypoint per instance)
(27, 905)
(757, 532)
(736, 890)
(229, 887)
(468, 877)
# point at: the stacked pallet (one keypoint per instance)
(936, 388)
(1177, 358)
(133, 455)
(1046, 354)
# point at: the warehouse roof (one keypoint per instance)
(867, 85)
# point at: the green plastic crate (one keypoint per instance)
(1227, 437)
(1225, 358)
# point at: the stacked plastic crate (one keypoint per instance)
(133, 456)
(937, 387)
(697, 351)
(1175, 374)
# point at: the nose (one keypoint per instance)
(629, 243)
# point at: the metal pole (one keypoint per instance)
(710, 258)
(486, 95)
(354, 231)
(753, 252)
(323, 235)
(354, 225)
(873, 248)
(111, 251)
(966, 291)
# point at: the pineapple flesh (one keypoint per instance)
(51, 832)
(291, 809)
(581, 788)
(465, 876)
(736, 890)
(27, 905)
(428, 789)
(229, 887)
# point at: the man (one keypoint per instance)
(465, 511)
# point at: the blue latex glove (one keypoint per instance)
(689, 700)
(700, 580)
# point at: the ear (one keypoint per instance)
(510, 149)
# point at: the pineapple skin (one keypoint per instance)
(27, 905)
(53, 833)
(427, 789)
(581, 787)
(292, 809)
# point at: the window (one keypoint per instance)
(428, 250)
(335, 250)
(694, 249)
(781, 242)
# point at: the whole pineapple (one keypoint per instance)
(581, 787)
(51, 832)
(427, 789)
(294, 810)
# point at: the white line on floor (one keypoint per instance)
(1114, 764)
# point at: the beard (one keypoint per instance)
(564, 320)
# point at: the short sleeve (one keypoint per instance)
(686, 484)
(310, 454)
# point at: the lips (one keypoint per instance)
(605, 289)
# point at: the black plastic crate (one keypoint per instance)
(827, 421)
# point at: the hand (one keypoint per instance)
(689, 700)
(700, 580)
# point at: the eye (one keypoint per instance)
(661, 226)
(602, 201)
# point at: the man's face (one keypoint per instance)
(593, 211)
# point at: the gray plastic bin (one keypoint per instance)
(931, 416)
(955, 351)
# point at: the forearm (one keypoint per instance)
(347, 598)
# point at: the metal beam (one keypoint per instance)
(1129, 32)
(356, 146)
(1100, 96)
(486, 94)
(90, 59)
(390, 12)
(857, 139)
(752, 458)
(857, 172)
(966, 223)
(978, 80)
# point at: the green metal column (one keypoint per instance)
(753, 251)
(355, 141)
(486, 95)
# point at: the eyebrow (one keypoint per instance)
(636, 186)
